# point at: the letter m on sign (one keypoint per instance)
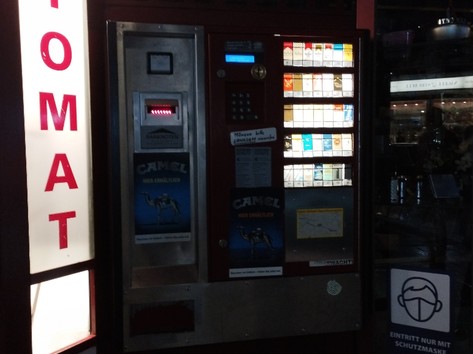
(46, 100)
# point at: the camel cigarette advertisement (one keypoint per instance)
(162, 198)
(255, 239)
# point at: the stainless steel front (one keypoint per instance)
(254, 309)
(151, 264)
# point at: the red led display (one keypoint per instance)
(161, 110)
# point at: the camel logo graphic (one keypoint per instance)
(419, 297)
(167, 208)
(255, 237)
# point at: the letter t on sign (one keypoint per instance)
(62, 219)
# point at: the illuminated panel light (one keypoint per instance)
(318, 116)
(317, 175)
(444, 83)
(60, 310)
(240, 58)
(161, 110)
(54, 60)
(318, 145)
(322, 85)
(55, 70)
(311, 54)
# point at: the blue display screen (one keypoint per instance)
(239, 58)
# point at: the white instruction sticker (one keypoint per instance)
(253, 136)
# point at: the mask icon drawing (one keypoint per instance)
(420, 299)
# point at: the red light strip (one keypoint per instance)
(161, 111)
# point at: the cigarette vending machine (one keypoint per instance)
(285, 114)
(239, 220)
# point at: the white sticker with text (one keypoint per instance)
(253, 136)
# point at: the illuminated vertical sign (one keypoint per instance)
(54, 53)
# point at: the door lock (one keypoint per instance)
(223, 243)
(258, 72)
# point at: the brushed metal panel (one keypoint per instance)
(256, 309)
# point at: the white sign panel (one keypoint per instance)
(444, 83)
(54, 53)
(254, 272)
(420, 312)
(420, 299)
(253, 136)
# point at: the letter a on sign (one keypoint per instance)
(68, 177)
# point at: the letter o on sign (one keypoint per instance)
(45, 54)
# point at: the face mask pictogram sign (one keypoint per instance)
(420, 312)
